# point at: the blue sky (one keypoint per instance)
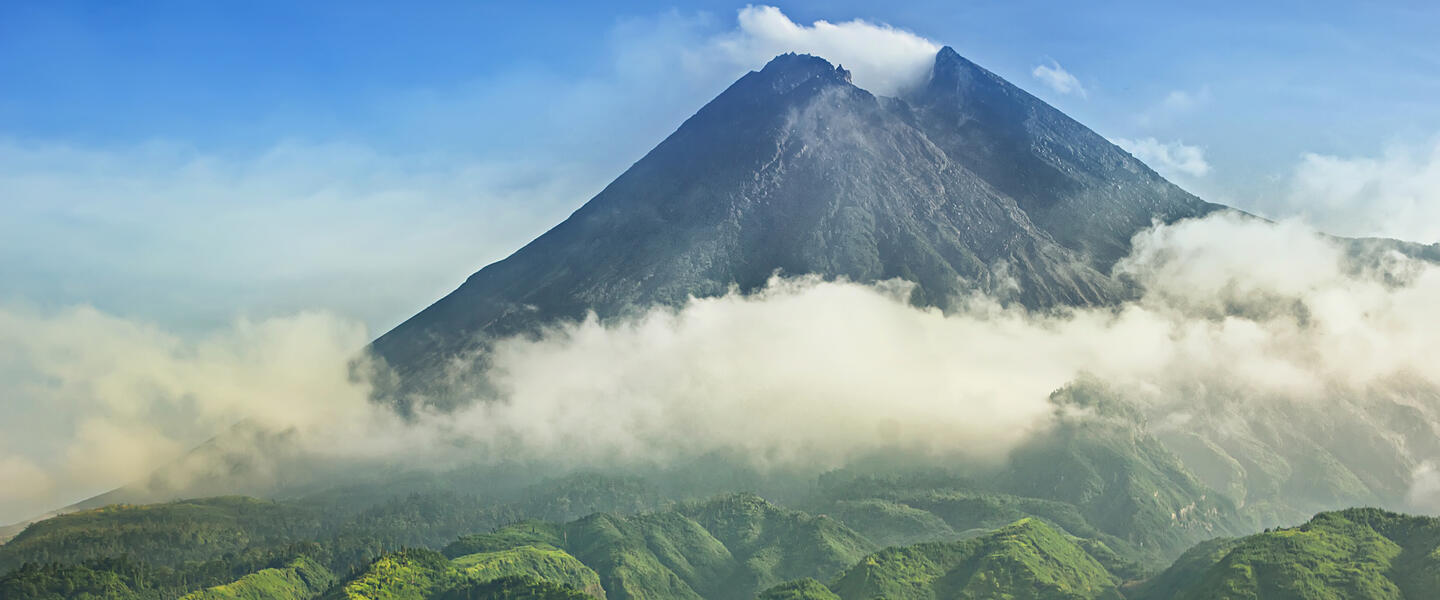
(185, 162)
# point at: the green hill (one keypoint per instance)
(300, 580)
(540, 571)
(731, 547)
(1355, 554)
(1025, 560)
(540, 562)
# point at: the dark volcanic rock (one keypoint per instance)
(968, 183)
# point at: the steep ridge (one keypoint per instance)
(1085, 192)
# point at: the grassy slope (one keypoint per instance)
(1350, 554)
(1027, 559)
(540, 562)
(423, 574)
(300, 580)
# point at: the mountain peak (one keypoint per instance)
(951, 68)
(789, 70)
(793, 60)
(967, 183)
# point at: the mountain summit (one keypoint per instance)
(967, 182)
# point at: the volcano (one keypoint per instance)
(964, 183)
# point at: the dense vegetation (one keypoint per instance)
(922, 534)
(1350, 554)
(1024, 560)
(299, 580)
(731, 547)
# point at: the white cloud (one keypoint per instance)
(881, 58)
(1057, 78)
(1169, 158)
(127, 397)
(1239, 317)
(1394, 195)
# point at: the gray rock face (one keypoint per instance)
(966, 183)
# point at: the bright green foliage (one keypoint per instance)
(541, 562)
(800, 589)
(405, 575)
(1026, 560)
(423, 574)
(300, 580)
(1353, 554)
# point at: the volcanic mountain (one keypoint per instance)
(965, 182)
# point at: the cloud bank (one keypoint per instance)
(1240, 321)
(1394, 195)
(112, 399)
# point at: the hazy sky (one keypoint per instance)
(185, 162)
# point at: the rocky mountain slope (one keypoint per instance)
(965, 183)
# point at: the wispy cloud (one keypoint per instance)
(1057, 78)
(1169, 158)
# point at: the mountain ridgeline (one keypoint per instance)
(964, 183)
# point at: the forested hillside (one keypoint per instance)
(860, 537)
